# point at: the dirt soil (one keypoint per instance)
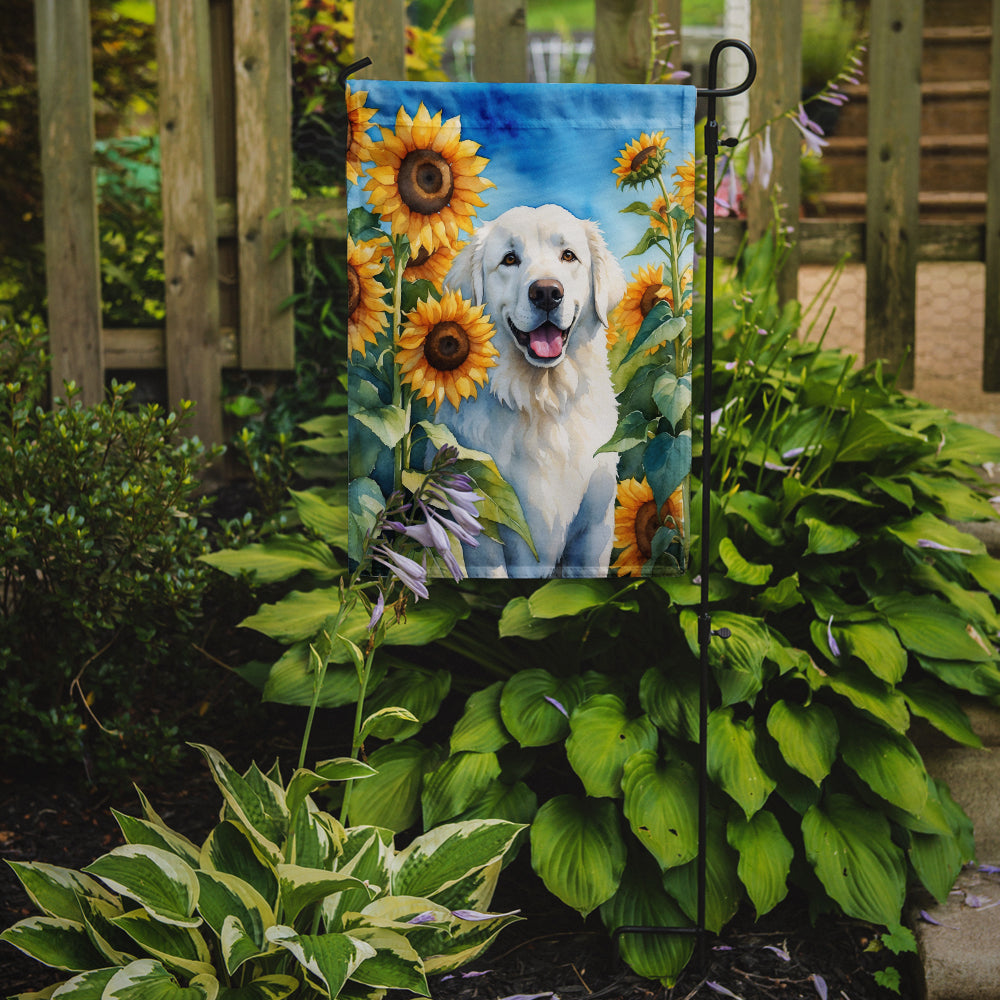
(551, 953)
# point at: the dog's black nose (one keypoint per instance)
(546, 293)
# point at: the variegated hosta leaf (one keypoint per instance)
(225, 897)
(765, 858)
(602, 737)
(888, 763)
(475, 891)
(274, 987)
(329, 959)
(256, 801)
(642, 902)
(86, 986)
(149, 980)
(807, 736)
(304, 782)
(315, 838)
(56, 891)
(441, 857)
(54, 941)
(732, 760)
(481, 727)
(301, 887)
(535, 706)
(850, 847)
(661, 805)
(177, 947)
(230, 849)
(578, 851)
(456, 784)
(116, 947)
(395, 964)
(141, 831)
(158, 880)
(367, 853)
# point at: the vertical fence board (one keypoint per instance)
(991, 333)
(668, 15)
(893, 183)
(776, 35)
(622, 40)
(501, 41)
(72, 256)
(261, 57)
(380, 34)
(190, 253)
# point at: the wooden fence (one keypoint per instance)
(226, 161)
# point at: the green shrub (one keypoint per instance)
(99, 546)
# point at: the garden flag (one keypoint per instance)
(520, 282)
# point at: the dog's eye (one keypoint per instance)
(510, 259)
(568, 254)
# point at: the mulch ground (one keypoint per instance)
(551, 953)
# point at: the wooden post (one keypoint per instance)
(776, 34)
(991, 333)
(72, 255)
(893, 183)
(501, 41)
(261, 57)
(623, 39)
(190, 253)
(380, 34)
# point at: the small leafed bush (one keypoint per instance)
(99, 574)
(280, 899)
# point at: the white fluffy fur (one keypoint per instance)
(541, 417)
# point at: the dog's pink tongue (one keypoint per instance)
(546, 341)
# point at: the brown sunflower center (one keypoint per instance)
(646, 523)
(425, 181)
(419, 258)
(650, 297)
(447, 346)
(642, 156)
(353, 290)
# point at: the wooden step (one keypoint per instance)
(957, 206)
(956, 53)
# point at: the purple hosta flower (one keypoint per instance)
(427, 917)
(719, 988)
(558, 705)
(834, 648)
(820, 983)
(431, 534)
(408, 571)
(475, 915)
(760, 164)
(377, 611)
(928, 543)
(780, 952)
(989, 869)
(812, 134)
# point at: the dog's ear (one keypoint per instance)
(466, 271)
(608, 279)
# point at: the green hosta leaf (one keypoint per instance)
(876, 646)
(732, 760)
(226, 898)
(54, 941)
(440, 858)
(528, 710)
(516, 803)
(159, 881)
(388, 722)
(760, 512)
(936, 704)
(230, 849)
(807, 736)
(976, 678)
(517, 620)
(391, 798)
(180, 948)
(661, 800)
(937, 858)
(986, 572)
(738, 661)
(932, 628)
(850, 848)
(481, 728)
(418, 690)
(783, 595)
(279, 558)
(56, 891)
(304, 782)
(456, 784)
(870, 436)
(888, 763)
(601, 739)
(738, 569)
(828, 539)
(330, 959)
(142, 831)
(765, 858)
(641, 901)
(395, 964)
(866, 692)
(671, 700)
(957, 501)
(147, 979)
(578, 851)
(723, 889)
(292, 680)
(965, 443)
(560, 598)
(301, 887)
(928, 528)
(327, 520)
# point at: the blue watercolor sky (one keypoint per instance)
(554, 143)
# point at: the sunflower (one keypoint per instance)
(359, 144)
(431, 264)
(641, 160)
(643, 292)
(366, 306)
(684, 186)
(445, 348)
(636, 521)
(425, 180)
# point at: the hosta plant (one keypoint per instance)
(279, 900)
